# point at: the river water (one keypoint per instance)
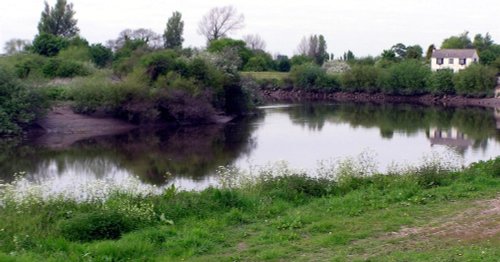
(302, 135)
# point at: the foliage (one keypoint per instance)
(29, 65)
(407, 78)
(441, 82)
(173, 33)
(101, 56)
(457, 42)
(314, 47)
(273, 212)
(19, 105)
(56, 67)
(283, 64)
(75, 53)
(300, 60)
(225, 44)
(58, 21)
(49, 45)
(14, 46)
(475, 81)
(361, 78)
(260, 61)
(312, 77)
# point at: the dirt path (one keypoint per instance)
(63, 127)
(474, 225)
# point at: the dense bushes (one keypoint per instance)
(361, 78)
(312, 77)
(441, 82)
(407, 78)
(476, 81)
(19, 105)
(56, 67)
(49, 45)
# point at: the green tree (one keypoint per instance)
(482, 43)
(476, 80)
(461, 41)
(101, 55)
(58, 20)
(414, 52)
(430, 50)
(173, 32)
(48, 44)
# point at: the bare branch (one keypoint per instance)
(219, 22)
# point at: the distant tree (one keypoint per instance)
(457, 42)
(173, 32)
(219, 22)
(143, 35)
(430, 50)
(348, 56)
(283, 63)
(231, 45)
(482, 43)
(414, 52)
(314, 47)
(101, 55)
(254, 42)
(388, 55)
(400, 50)
(15, 46)
(58, 20)
(48, 44)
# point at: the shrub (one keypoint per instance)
(307, 76)
(96, 225)
(30, 65)
(75, 53)
(19, 105)
(407, 78)
(475, 81)
(441, 82)
(361, 78)
(56, 67)
(100, 55)
(49, 45)
(159, 63)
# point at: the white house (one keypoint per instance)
(455, 59)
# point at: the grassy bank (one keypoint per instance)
(280, 215)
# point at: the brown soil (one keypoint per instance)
(477, 224)
(300, 95)
(62, 127)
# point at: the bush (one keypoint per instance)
(475, 81)
(75, 53)
(100, 55)
(441, 82)
(96, 225)
(407, 78)
(56, 67)
(49, 45)
(19, 105)
(307, 76)
(159, 63)
(361, 78)
(30, 65)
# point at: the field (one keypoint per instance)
(266, 75)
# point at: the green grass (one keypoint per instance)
(266, 75)
(290, 217)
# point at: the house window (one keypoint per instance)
(475, 60)
(463, 61)
(450, 61)
(439, 61)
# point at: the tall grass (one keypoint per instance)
(278, 207)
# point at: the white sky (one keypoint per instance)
(364, 26)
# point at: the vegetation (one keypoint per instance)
(345, 213)
(173, 33)
(19, 104)
(58, 21)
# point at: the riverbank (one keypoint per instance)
(421, 214)
(291, 95)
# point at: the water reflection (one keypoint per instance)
(300, 134)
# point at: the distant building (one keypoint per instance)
(454, 59)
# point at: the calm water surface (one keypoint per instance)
(301, 134)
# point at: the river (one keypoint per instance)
(302, 135)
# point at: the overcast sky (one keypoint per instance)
(364, 26)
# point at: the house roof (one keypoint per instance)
(454, 53)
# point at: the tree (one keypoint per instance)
(101, 55)
(49, 45)
(59, 20)
(482, 43)
(430, 50)
(219, 22)
(15, 46)
(348, 56)
(314, 47)
(254, 42)
(400, 50)
(173, 33)
(141, 35)
(414, 52)
(461, 41)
